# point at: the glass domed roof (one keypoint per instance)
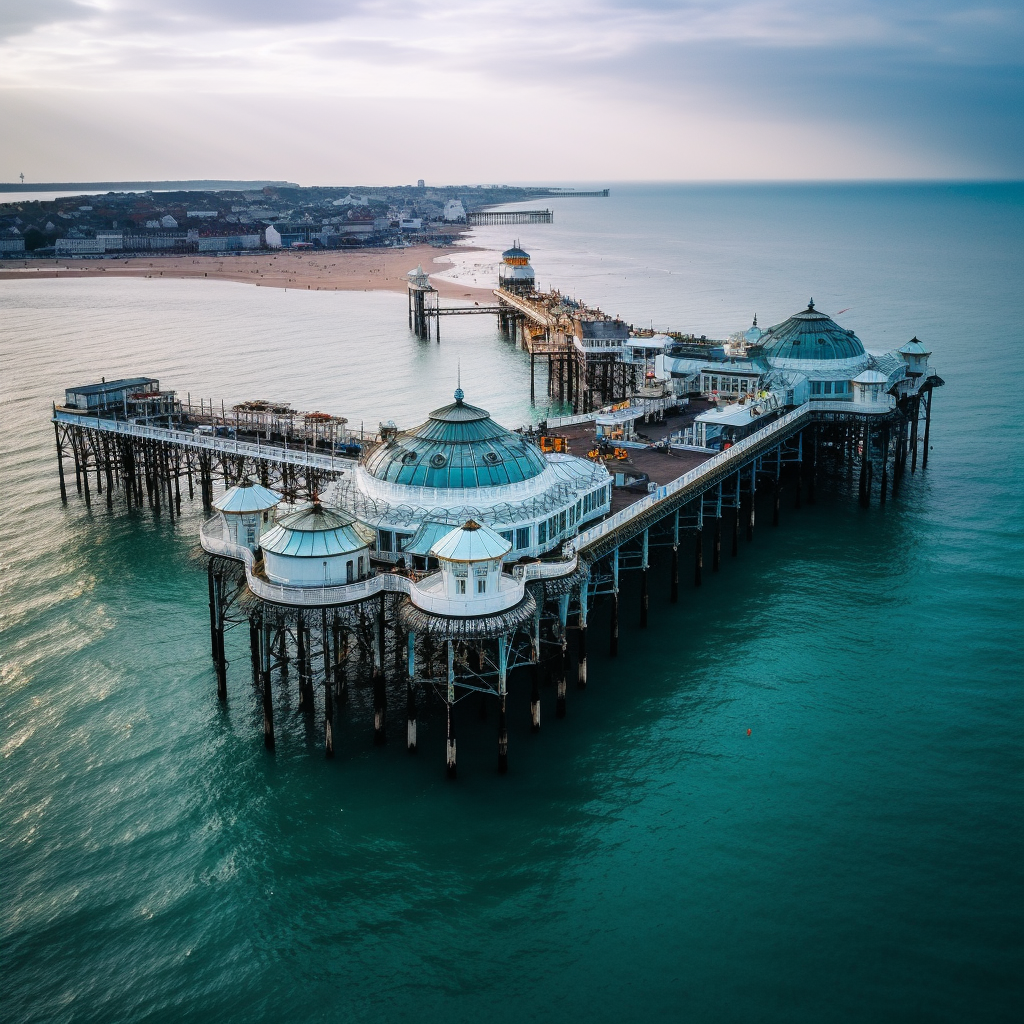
(810, 335)
(458, 446)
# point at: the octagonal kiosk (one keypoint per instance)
(470, 604)
(247, 511)
(470, 581)
(314, 546)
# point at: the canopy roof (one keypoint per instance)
(515, 253)
(471, 542)
(810, 335)
(246, 497)
(870, 377)
(458, 446)
(313, 531)
(914, 348)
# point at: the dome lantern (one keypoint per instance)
(515, 273)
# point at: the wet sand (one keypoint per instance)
(326, 270)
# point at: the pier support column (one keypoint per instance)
(562, 663)
(865, 494)
(502, 695)
(916, 407)
(813, 468)
(268, 695)
(254, 651)
(753, 499)
(736, 531)
(380, 695)
(644, 602)
(716, 546)
(581, 641)
(78, 464)
(674, 586)
(776, 501)
(613, 630)
(535, 674)
(410, 695)
(328, 688)
(927, 428)
(884, 482)
(301, 657)
(698, 557)
(450, 751)
(60, 463)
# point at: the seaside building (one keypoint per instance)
(415, 486)
(454, 211)
(807, 357)
(515, 273)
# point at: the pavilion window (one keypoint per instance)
(828, 387)
(561, 522)
(522, 538)
(542, 532)
(360, 566)
(460, 586)
(387, 540)
(506, 535)
(481, 586)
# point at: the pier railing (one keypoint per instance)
(211, 536)
(722, 464)
(210, 442)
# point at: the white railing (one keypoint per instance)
(212, 538)
(214, 543)
(430, 597)
(208, 442)
(734, 454)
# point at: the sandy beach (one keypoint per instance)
(326, 270)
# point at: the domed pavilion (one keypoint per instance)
(416, 485)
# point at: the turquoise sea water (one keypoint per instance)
(857, 857)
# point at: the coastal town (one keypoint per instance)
(187, 222)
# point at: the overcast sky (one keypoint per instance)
(328, 91)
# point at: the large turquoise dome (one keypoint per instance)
(458, 446)
(810, 335)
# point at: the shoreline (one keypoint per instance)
(324, 270)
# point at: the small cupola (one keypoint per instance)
(470, 561)
(315, 546)
(915, 355)
(247, 510)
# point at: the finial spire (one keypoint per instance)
(459, 393)
(810, 305)
(755, 319)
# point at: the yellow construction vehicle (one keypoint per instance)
(554, 443)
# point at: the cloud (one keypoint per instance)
(933, 83)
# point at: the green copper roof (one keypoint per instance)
(458, 446)
(810, 335)
(313, 531)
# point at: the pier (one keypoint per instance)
(437, 563)
(486, 218)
